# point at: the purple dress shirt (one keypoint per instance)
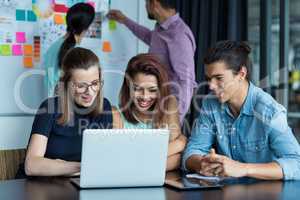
(174, 43)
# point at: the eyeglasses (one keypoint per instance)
(83, 87)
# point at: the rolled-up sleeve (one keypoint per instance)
(202, 137)
(285, 146)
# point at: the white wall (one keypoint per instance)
(124, 47)
(143, 19)
(15, 130)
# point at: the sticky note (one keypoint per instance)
(112, 25)
(31, 16)
(37, 48)
(106, 47)
(37, 40)
(65, 19)
(20, 37)
(37, 58)
(28, 50)
(28, 62)
(59, 19)
(5, 50)
(20, 15)
(17, 50)
(92, 3)
(60, 8)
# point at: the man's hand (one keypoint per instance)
(229, 167)
(116, 15)
(209, 168)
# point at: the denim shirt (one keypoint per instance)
(260, 134)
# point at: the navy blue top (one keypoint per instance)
(65, 141)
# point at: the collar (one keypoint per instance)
(166, 24)
(247, 107)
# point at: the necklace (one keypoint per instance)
(140, 121)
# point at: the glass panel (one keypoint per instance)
(253, 37)
(294, 67)
(273, 69)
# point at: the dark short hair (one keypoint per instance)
(235, 54)
(168, 4)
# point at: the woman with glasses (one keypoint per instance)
(55, 144)
(79, 17)
(146, 102)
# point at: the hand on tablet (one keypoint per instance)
(230, 167)
(209, 167)
(217, 165)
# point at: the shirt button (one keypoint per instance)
(233, 146)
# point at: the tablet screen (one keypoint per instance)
(184, 183)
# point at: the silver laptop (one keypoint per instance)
(123, 158)
(145, 193)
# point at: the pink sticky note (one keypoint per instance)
(20, 37)
(17, 50)
(91, 3)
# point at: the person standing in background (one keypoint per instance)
(173, 42)
(79, 17)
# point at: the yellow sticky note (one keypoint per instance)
(59, 19)
(28, 50)
(106, 47)
(28, 62)
(112, 24)
(5, 50)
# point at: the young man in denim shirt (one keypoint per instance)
(246, 125)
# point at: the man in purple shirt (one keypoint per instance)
(173, 42)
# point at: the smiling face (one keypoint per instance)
(85, 85)
(223, 82)
(145, 92)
